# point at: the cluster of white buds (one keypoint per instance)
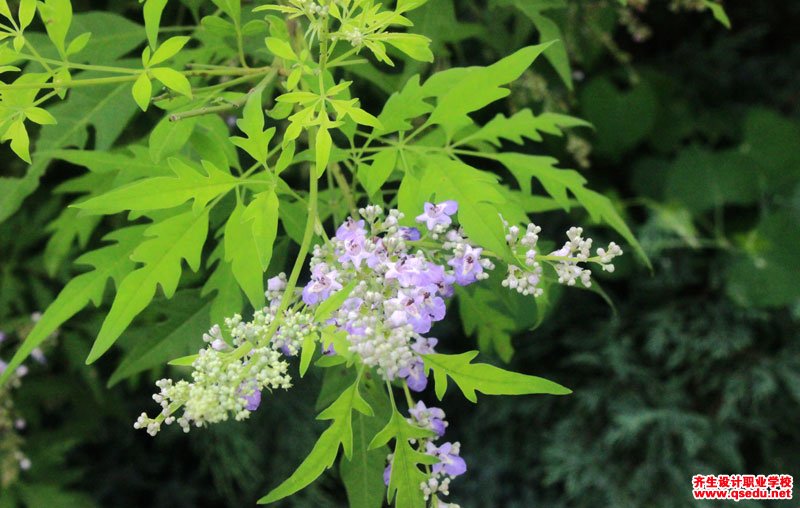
(319, 10)
(524, 280)
(578, 250)
(224, 381)
(354, 37)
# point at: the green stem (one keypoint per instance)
(238, 103)
(235, 71)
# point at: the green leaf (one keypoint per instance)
(408, 5)
(484, 378)
(414, 45)
(362, 474)
(167, 243)
(481, 315)
(184, 361)
(152, 19)
(406, 475)
(332, 304)
(27, 9)
(165, 192)
(263, 213)
(622, 118)
(719, 12)
(183, 321)
(228, 297)
(548, 31)
(252, 124)
(142, 91)
(56, 16)
(79, 43)
(324, 453)
(110, 262)
(402, 106)
(323, 150)
(523, 124)
(173, 80)
(309, 347)
(481, 203)
(374, 175)
(559, 182)
(168, 49)
(767, 275)
(281, 49)
(168, 138)
(242, 253)
(462, 91)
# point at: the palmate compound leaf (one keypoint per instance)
(110, 262)
(107, 170)
(167, 243)
(165, 192)
(406, 475)
(323, 455)
(484, 378)
(106, 108)
(559, 183)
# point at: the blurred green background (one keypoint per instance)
(694, 369)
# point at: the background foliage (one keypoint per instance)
(695, 133)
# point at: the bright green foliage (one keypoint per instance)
(169, 241)
(406, 475)
(256, 144)
(289, 79)
(325, 451)
(189, 183)
(484, 378)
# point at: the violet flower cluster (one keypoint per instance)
(392, 282)
(399, 291)
(449, 463)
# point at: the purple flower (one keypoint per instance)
(449, 461)
(351, 229)
(276, 284)
(377, 253)
(467, 267)
(406, 270)
(253, 400)
(438, 214)
(2, 336)
(435, 275)
(354, 251)
(387, 474)
(425, 345)
(415, 376)
(329, 351)
(323, 282)
(411, 234)
(429, 417)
